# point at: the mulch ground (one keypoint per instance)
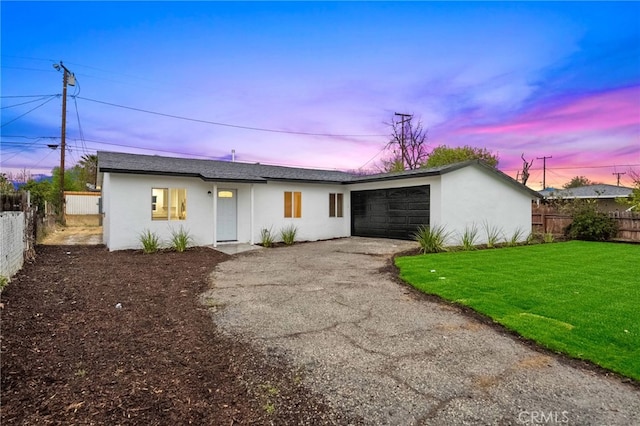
(70, 356)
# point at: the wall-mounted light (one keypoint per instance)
(209, 192)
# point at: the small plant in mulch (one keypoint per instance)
(4, 282)
(266, 237)
(269, 393)
(180, 239)
(288, 234)
(150, 241)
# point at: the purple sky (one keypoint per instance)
(543, 79)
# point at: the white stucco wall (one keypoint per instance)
(127, 207)
(472, 196)
(315, 223)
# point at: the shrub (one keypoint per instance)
(469, 237)
(288, 234)
(493, 232)
(150, 241)
(547, 237)
(266, 237)
(431, 239)
(181, 239)
(591, 225)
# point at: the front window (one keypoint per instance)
(168, 204)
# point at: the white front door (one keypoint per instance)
(227, 217)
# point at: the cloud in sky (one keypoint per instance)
(560, 79)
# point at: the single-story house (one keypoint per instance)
(219, 201)
(604, 195)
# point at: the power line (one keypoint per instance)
(215, 123)
(27, 96)
(32, 109)
(23, 103)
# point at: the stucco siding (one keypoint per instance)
(127, 207)
(315, 223)
(473, 197)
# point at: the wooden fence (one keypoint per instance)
(545, 219)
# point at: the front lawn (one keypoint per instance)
(580, 298)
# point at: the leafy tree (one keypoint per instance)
(393, 164)
(5, 184)
(443, 155)
(577, 182)
(88, 169)
(408, 145)
(72, 182)
(634, 199)
(40, 192)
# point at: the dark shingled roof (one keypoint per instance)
(209, 170)
(225, 171)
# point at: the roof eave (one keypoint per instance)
(178, 174)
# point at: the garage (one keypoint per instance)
(389, 213)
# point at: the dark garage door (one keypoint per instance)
(389, 213)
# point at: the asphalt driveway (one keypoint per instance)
(376, 349)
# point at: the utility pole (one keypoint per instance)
(619, 174)
(403, 150)
(544, 171)
(68, 78)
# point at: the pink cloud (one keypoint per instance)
(586, 113)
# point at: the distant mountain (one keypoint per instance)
(37, 177)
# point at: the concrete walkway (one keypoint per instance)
(374, 348)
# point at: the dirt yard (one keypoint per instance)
(74, 235)
(93, 337)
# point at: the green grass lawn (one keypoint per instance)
(580, 298)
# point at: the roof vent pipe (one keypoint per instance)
(233, 155)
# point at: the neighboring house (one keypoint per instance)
(604, 195)
(218, 201)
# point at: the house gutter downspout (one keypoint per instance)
(215, 215)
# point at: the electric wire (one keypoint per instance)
(215, 123)
(23, 103)
(27, 96)
(31, 110)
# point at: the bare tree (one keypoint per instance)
(525, 169)
(408, 144)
